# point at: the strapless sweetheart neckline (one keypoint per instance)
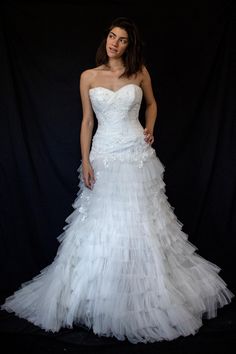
(114, 91)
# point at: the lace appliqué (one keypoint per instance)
(82, 201)
(136, 155)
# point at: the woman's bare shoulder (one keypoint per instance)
(91, 74)
(144, 75)
(88, 74)
(144, 72)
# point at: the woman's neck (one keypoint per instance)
(115, 65)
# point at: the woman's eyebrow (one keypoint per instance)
(116, 35)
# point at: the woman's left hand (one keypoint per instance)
(149, 138)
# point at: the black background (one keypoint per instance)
(190, 53)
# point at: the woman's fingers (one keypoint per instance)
(148, 137)
(150, 140)
(89, 180)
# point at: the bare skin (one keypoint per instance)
(109, 76)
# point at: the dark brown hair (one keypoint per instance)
(133, 56)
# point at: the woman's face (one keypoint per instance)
(117, 42)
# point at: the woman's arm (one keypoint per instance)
(151, 106)
(86, 129)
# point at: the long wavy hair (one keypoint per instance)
(133, 56)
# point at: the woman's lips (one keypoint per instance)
(113, 50)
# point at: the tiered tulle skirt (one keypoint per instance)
(124, 266)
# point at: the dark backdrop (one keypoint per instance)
(190, 53)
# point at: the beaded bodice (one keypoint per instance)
(119, 134)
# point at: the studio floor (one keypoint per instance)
(217, 335)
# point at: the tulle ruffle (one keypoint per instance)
(124, 267)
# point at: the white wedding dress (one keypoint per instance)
(124, 267)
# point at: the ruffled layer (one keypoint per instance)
(124, 267)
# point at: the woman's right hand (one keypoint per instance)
(88, 174)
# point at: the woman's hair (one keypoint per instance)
(133, 56)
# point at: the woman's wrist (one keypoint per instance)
(148, 130)
(85, 161)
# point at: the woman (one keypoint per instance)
(124, 267)
(117, 67)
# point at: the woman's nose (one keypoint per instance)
(115, 42)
